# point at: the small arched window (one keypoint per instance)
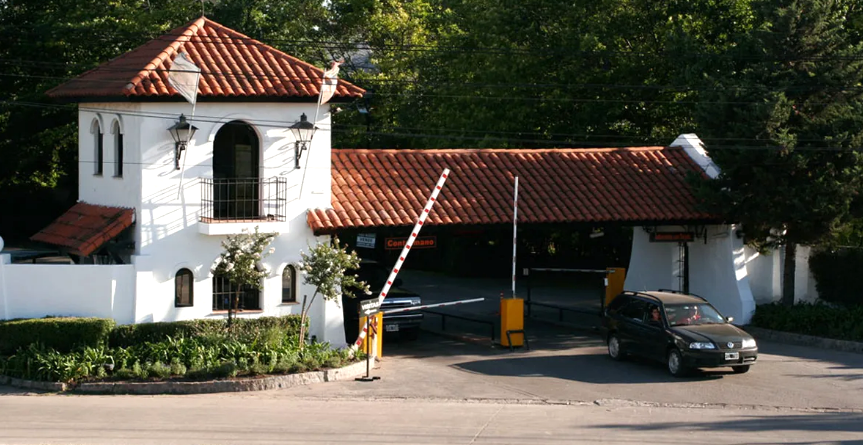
(184, 293)
(118, 150)
(99, 152)
(289, 284)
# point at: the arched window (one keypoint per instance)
(224, 292)
(118, 150)
(98, 141)
(184, 293)
(289, 284)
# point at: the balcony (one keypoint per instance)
(230, 205)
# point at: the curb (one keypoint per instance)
(209, 386)
(804, 340)
(33, 384)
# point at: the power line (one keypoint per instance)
(486, 135)
(564, 50)
(636, 101)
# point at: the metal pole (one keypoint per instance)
(368, 347)
(514, 232)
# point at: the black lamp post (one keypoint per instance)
(303, 132)
(182, 132)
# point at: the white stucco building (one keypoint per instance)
(151, 218)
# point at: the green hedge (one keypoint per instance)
(835, 272)
(62, 334)
(130, 335)
(820, 320)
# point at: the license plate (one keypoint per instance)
(732, 356)
(392, 328)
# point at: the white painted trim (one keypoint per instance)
(694, 147)
(234, 228)
(118, 120)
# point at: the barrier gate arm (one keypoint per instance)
(423, 215)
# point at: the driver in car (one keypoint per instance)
(691, 316)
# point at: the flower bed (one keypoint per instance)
(185, 351)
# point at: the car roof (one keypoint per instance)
(666, 297)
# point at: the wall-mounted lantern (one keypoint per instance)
(303, 132)
(182, 132)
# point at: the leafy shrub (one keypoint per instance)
(199, 350)
(177, 368)
(820, 320)
(125, 374)
(246, 329)
(225, 370)
(63, 334)
(833, 271)
(159, 370)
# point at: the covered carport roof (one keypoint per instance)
(387, 188)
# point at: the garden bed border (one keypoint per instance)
(262, 383)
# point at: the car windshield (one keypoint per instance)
(692, 314)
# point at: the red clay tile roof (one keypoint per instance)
(232, 65)
(373, 188)
(86, 227)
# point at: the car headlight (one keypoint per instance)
(749, 343)
(701, 345)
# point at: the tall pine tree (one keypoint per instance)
(782, 112)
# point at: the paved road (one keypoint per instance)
(435, 390)
(250, 419)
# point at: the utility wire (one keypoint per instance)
(486, 135)
(566, 51)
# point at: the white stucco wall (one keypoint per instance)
(107, 189)
(168, 233)
(767, 278)
(718, 273)
(37, 290)
(717, 269)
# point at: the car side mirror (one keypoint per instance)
(397, 282)
(729, 319)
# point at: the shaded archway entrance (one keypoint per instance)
(236, 172)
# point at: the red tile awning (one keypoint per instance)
(381, 188)
(232, 66)
(86, 227)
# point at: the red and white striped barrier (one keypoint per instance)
(423, 215)
(426, 306)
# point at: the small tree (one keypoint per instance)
(325, 267)
(239, 262)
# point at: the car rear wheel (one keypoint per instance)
(615, 350)
(740, 369)
(675, 364)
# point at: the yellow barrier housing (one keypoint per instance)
(378, 345)
(511, 319)
(615, 283)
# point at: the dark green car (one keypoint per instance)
(683, 331)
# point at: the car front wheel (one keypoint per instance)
(740, 369)
(675, 364)
(615, 350)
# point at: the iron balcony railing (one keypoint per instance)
(243, 200)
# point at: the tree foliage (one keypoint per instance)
(241, 259)
(787, 97)
(325, 267)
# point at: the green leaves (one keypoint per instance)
(324, 267)
(241, 260)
